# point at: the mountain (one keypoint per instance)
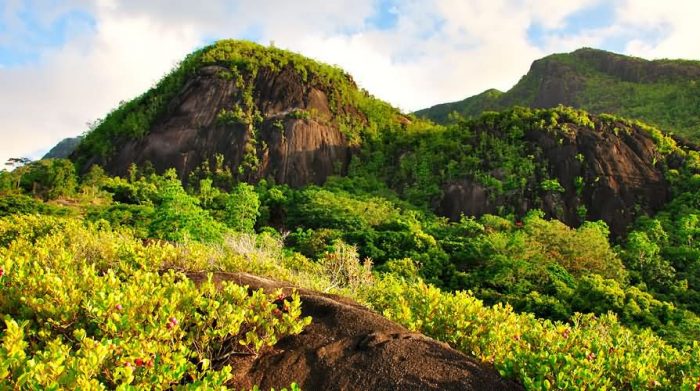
(598, 169)
(63, 149)
(665, 93)
(565, 162)
(266, 112)
(548, 246)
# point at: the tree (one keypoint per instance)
(178, 216)
(242, 208)
(643, 257)
(16, 162)
(49, 178)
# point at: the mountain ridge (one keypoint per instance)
(665, 93)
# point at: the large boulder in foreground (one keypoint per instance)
(348, 347)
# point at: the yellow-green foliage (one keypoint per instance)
(84, 299)
(86, 308)
(590, 352)
(581, 250)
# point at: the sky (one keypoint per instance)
(64, 64)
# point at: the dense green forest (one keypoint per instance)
(661, 92)
(548, 304)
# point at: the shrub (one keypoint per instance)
(93, 313)
(590, 352)
(343, 268)
(178, 216)
(242, 208)
(552, 185)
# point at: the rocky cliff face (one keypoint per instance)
(295, 142)
(605, 174)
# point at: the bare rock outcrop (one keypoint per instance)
(292, 149)
(348, 347)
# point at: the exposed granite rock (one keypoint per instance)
(291, 150)
(348, 347)
(621, 172)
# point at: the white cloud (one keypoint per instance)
(679, 22)
(81, 81)
(438, 50)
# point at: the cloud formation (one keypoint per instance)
(84, 56)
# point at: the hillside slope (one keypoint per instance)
(63, 149)
(665, 93)
(570, 165)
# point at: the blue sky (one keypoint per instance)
(66, 63)
(594, 16)
(26, 33)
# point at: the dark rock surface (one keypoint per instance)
(621, 171)
(294, 151)
(348, 347)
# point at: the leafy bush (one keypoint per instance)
(552, 185)
(22, 204)
(92, 313)
(49, 178)
(136, 217)
(179, 217)
(588, 353)
(242, 208)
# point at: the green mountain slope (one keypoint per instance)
(261, 113)
(63, 149)
(665, 93)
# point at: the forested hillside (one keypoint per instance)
(665, 93)
(563, 248)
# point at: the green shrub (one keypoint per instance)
(588, 353)
(242, 208)
(178, 217)
(86, 308)
(552, 185)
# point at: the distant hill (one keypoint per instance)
(63, 149)
(665, 93)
